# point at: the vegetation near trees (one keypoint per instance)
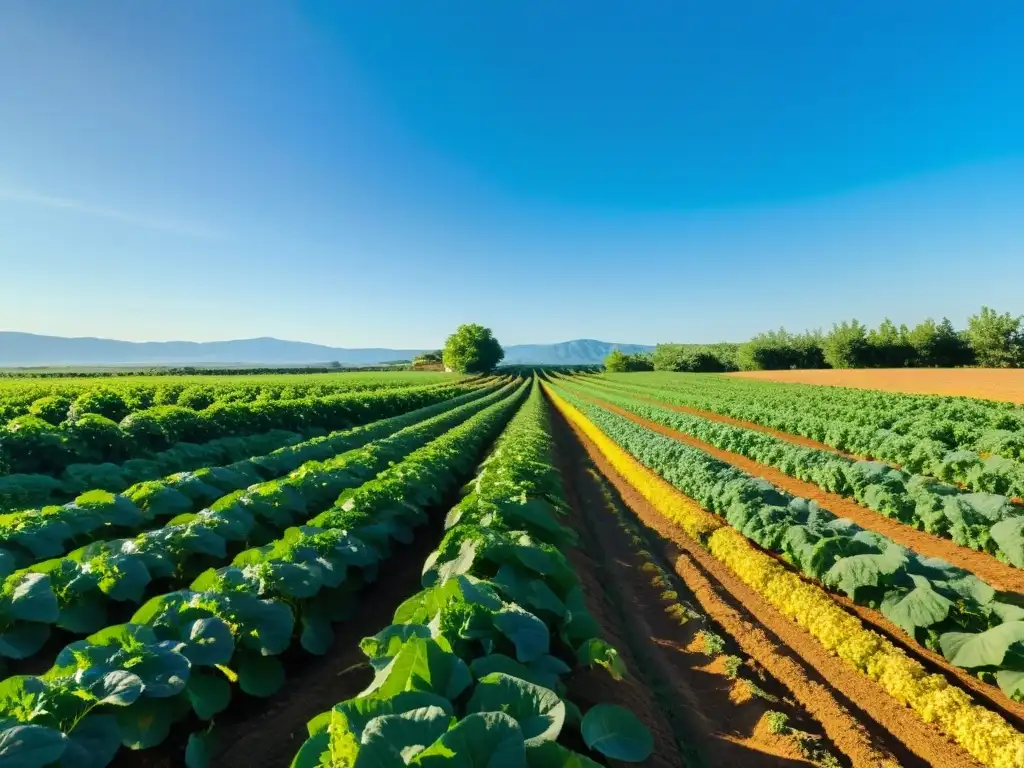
(620, 362)
(991, 340)
(997, 339)
(472, 349)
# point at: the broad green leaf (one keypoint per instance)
(314, 752)
(260, 675)
(200, 749)
(394, 739)
(551, 754)
(119, 688)
(209, 642)
(23, 640)
(1000, 646)
(920, 607)
(422, 665)
(317, 634)
(208, 694)
(482, 740)
(33, 599)
(850, 574)
(29, 746)
(617, 733)
(528, 633)
(499, 662)
(539, 711)
(1011, 682)
(146, 723)
(389, 640)
(93, 743)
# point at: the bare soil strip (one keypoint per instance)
(867, 725)
(987, 568)
(990, 383)
(1000, 575)
(717, 718)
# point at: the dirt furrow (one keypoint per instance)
(858, 716)
(718, 719)
(908, 537)
(999, 575)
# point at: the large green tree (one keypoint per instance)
(472, 349)
(997, 339)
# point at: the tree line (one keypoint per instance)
(990, 340)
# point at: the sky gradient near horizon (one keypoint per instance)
(373, 174)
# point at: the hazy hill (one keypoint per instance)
(29, 349)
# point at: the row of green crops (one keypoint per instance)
(188, 651)
(971, 443)
(471, 672)
(57, 400)
(35, 534)
(77, 590)
(983, 521)
(944, 608)
(80, 455)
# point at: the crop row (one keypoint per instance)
(45, 532)
(939, 442)
(59, 400)
(186, 651)
(985, 522)
(471, 670)
(75, 592)
(983, 733)
(942, 607)
(42, 461)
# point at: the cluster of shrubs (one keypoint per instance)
(990, 340)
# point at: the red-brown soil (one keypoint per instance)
(859, 718)
(987, 568)
(716, 718)
(1000, 575)
(989, 383)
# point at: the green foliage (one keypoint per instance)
(997, 339)
(695, 358)
(778, 722)
(890, 346)
(105, 402)
(52, 408)
(938, 345)
(780, 350)
(622, 363)
(942, 607)
(846, 346)
(472, 349)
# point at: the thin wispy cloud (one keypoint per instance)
(29, 197)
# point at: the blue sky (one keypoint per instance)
(374, 173)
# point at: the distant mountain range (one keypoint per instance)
(29, 349)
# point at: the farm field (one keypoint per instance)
(519, 570)
(988, 383)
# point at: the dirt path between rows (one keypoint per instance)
(789, 437)
(858, 716)
(918, 541)
(716, 718)
(1001, 576)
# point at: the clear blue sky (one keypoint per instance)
(374, 173)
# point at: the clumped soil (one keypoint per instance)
(1002, 576)
(715, 720)
(987, 383)
(997, 574)
(861, 720)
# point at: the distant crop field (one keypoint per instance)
(989, 383)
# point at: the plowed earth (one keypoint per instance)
(988, 383)
(998, 575)
(859, 718)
